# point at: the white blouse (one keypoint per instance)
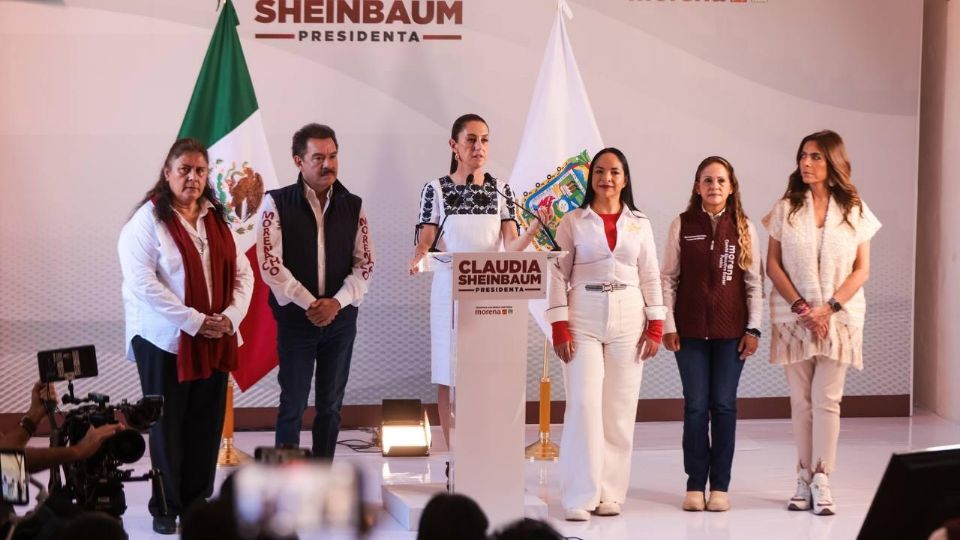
(154, 281)
(633, 261)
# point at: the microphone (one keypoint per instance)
(458, 202)
(543, 226)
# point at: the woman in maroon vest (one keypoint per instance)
(713, 288)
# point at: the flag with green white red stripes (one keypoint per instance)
(224, 115)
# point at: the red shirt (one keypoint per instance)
(610, 228)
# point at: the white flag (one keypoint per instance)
(559, 139)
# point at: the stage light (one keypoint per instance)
(405, 429)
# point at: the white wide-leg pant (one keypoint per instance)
(602, 384)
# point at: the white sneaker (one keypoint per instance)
(576, 514)
(821, 497)
(608, 508)
(801, 499)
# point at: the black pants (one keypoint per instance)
(185, 442)
(329, 349)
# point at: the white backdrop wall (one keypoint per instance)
(937, 384)
(92, 92)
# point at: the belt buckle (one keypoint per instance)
(607, 287)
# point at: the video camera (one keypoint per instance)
(96, 483)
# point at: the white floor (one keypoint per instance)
(763, 478)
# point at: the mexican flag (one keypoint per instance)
(559, 140)
(224, 115)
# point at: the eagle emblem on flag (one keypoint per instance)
(240, 189)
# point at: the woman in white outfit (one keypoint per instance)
(818, 260)
(477, 214)
(606, 309)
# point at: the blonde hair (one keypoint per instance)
(734, 206)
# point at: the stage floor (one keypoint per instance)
(763, 479)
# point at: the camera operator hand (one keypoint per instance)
(41, 393)
(17, 438)
(94, 438)
(39, 459)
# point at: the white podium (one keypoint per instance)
(489, 357)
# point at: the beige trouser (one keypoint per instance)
(816, 388)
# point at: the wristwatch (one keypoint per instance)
(28, 425)
(834, 305)
(753, 332)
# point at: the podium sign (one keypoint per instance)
(488, 356)
(499, 276)
(490, 292)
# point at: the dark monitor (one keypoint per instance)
(918, 493)
(67, 364)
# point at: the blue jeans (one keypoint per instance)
(710, 372)
(299, 348)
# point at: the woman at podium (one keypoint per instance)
(467, 210)
(606, 310)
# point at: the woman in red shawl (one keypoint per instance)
(186, 287)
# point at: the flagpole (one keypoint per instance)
(229, 455)
(544, 449)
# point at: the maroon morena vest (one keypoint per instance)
(711, 296)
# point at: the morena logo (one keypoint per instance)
(493, 310)
(402, 20)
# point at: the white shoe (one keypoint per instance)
(800, 499)
(576, 514)
(608, 508)
(820, 494)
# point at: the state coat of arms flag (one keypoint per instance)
(559, 140)
(224, 115)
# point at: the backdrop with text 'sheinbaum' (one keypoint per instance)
(94, 91)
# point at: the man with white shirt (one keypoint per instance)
(315, 253)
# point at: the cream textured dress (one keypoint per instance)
(818, 260)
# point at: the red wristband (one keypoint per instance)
(654, 331)
(561, 332)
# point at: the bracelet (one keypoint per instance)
(800, 306)
(28, 425)
(834, 305)
(753, 332)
